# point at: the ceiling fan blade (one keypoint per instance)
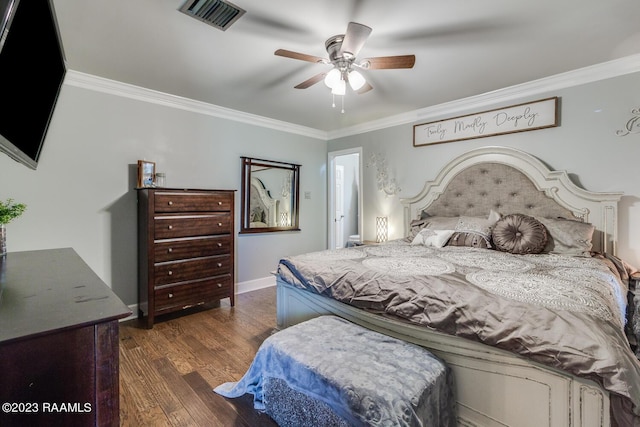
(364, 89)
(300, 56)
(354, 38)
(388, 62)
(310, 82)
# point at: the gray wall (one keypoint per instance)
(585, 145)
(82, 194)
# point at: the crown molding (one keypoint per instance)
(113, 87)
(615, 68)
(618, 67)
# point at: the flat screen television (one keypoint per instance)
(32, 70)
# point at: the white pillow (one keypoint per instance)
(434, 238)
(494, 216)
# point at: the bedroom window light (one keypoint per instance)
(382, 229)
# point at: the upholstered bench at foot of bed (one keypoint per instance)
(290, 407)
(328, 371)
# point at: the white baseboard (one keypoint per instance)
(241, 288)
(134, 313)
(254, 285)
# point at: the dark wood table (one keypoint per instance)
(59, 359)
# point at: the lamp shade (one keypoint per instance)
(356, 80)
(284, 219)
(382, 229)
(340, 88)
(332, 78)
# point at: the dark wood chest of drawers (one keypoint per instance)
(186, 249)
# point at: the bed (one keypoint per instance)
(533, 331)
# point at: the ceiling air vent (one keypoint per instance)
(217, 13)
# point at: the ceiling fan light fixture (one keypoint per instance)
(333, 78)
(343, 50)
(356, 80)
(340, 88)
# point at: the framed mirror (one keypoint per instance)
(270, 196)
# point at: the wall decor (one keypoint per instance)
(270, 196)
(633, 124)
(385, 183)
(146, 173)
(516, 118)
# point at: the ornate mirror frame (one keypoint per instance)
(270, 196)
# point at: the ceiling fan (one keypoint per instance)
(343, 50)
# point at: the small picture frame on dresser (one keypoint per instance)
(146, 174)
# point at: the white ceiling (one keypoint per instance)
(462, 48)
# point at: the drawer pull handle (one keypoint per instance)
(219, 203)
(170, 295)
(219, 224)
(219, 285)
(170, 250)
(219, 244)
(170, 273)
(219, 264)
(170, 227)
(170, 203)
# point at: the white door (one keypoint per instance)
(339, 206)
(345, 196)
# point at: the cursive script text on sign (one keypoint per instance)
(516, 118)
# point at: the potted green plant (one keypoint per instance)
(8, 211)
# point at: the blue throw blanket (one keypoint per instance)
(365, 377)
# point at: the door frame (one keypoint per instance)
(331, 159)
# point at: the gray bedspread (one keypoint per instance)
(564, 312)
(365, 377)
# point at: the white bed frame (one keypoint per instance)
(600, 209)
(493, 387)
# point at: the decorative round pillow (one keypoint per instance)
(519, 234)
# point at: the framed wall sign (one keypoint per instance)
(146, 173)
(516, 118)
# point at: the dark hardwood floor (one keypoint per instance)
(167, 374)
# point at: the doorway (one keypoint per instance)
(345, 197)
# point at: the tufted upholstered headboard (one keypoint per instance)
(508, 181)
